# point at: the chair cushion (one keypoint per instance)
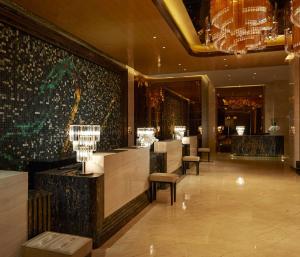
(191, 159)
(204, 150)
(163, 177)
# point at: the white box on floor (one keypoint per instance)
(52, 244)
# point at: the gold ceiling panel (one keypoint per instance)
(124, 30)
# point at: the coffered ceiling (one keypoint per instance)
(134, 33)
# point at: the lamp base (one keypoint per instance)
(83, 172)
(86, 174)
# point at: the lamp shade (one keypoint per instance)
(84, 139)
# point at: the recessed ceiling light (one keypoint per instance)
(225, 59)
(154, 37)
(164, 47)
(254, 73)
(179, 64)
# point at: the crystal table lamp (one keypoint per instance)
(146, 136)
(240, 130)
(84, 139)
(179, 132)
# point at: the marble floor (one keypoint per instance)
(235, 208)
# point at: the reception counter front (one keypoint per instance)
(126, 175)
(258, 145)
(173, 149)
(13, 212)
(98, 205)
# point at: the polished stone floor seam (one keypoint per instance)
(235, 208)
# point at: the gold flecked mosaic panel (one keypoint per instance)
(44, 89)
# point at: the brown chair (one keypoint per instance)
(205, 150)
(190, 159)
(167, 178)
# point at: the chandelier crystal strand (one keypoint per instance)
(295, 12)
(296, 40)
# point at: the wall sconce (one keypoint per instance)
(84, 139)
(220, 129)
(146, 137)
(240, 130)
(179, 132)
(200, 129)
(129, 130)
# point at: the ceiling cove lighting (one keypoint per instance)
(239, 26)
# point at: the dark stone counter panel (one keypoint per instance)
(158, 162)
(77, 204)
(258, 145)
(77, 201)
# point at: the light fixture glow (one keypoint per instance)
(240, 181)
(240, 130)
(84, 139)
(146, 137)
(179, 132)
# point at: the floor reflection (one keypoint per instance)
(214, 217)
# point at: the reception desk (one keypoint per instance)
(173, 149)
(258, 145)
(126, 175)
(13, 212)
(192, 145)
(98, 205)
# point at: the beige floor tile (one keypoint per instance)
(235, 208)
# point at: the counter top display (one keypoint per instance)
(258, 145)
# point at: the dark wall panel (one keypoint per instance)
(175, 113)
(44, 89)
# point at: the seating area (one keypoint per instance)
(164, 178)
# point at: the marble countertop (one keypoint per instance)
(8, 173)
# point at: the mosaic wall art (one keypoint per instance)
(44, 89)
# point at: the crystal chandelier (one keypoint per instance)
(240, 25)
(295, 12)
(84, 139)
(292, 35)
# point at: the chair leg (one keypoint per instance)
(154, 195)
(151, 191)
(174, 192)
(171, 187)
(197, 167)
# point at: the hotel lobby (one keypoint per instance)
(149, 128)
